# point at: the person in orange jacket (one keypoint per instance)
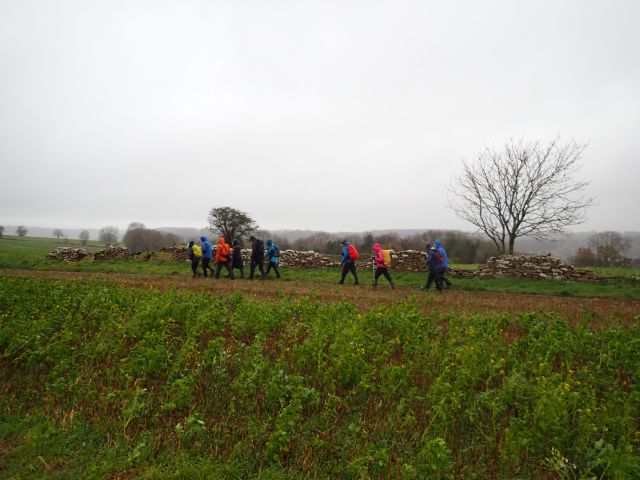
(223, 258)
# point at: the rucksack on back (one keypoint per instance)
(353, 253)
(386, 257)
(276, 250)
(437, 257)
(197, 250)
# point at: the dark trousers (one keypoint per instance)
(433, 275)
(275, 267)
(241, 271)
(195, 262)
(226, 265)
(441, 272)
(252, 268)
(384, 272)
(206, 266)
(346, 268)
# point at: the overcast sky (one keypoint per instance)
(306, 114)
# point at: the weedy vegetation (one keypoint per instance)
(104, 381)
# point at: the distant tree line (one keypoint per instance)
(138, 238)
(605, 249)
(462, 247)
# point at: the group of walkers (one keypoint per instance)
(229, 257)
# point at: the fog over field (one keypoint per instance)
(336, 116)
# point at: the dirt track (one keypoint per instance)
(604, 311)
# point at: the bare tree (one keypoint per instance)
(84, 236)
(58, 233)
(21, 231)
(1, 231)
(108, 235)
(232, 223)
(524, 189)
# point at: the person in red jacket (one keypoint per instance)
(223, 258)
(381, 267)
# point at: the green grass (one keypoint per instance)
(29, 253)
(100, 380)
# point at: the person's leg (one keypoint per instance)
(376, 275)
(230, 270)
(438, 280)
(261, 269)
(266, 273)
(252, 269)
(241, 272)
(205, 262)
(355, 274)
(387, 275)
(276, 269)
(218, 269)
(345, 270)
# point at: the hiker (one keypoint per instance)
(434, 258)
(223, 258)
(349, 257)
(257, 257)
(195, 253)
(445, 263)
(381, 260)
(207, 255)
(236, 258)
(273, 255)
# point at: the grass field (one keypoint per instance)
(128, 369)
(30, 253)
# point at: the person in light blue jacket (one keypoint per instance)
(444, 265)
(273, 255)
(207, 255)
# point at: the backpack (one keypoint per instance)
(353, 253)
(386, 257)
(197, 250)
(276, 250)
(437, 257)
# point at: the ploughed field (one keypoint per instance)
(138, 371)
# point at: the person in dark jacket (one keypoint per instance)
(195, 260)
(257, 257)
(433, 265)
(236, 258)
(348, 264)
(207, 255)
(273, 255)
(445, 263)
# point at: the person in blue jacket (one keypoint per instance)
(445, 263)
(273, 256)
(348, 264)
(433, 264)
(207, 255)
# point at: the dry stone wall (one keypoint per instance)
(521, 266)
(70, 254)
(532, 266)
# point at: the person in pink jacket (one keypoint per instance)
(381, 267)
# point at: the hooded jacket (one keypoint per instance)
(223, 251)
(445, 260)
(345, 254)
(257, 250)
(207, 251)
(378, 258)
(271, 252)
